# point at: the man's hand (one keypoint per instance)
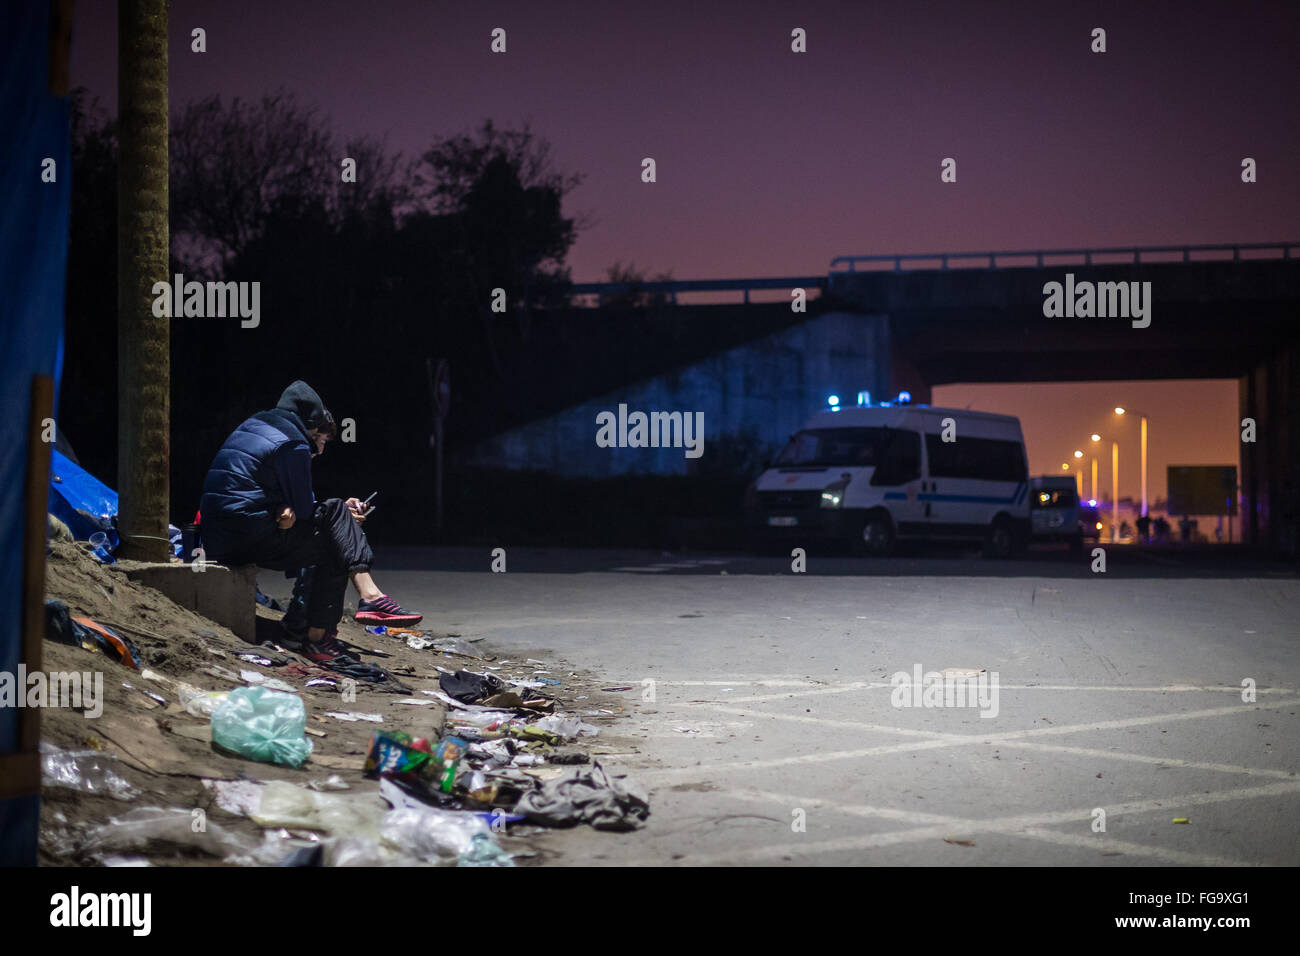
(358, 509)
(286, 519)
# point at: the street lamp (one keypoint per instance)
(1121, 411)
(1095, 439)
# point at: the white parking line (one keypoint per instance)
(1027, 825)
(934, 739)
(878, 685)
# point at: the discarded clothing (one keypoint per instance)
(587, 796)
(371, 673)
(82, 632)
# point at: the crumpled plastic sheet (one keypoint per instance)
(90, 771)
(589, 796)
(431, 834)
(484, 851)
(163, 829)
(568, 727)
(284, 804)
(198, 702)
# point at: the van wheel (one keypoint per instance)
(876, 537)
(1001, 540)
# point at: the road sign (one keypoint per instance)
(1202, 489)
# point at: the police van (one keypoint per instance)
(872, 475)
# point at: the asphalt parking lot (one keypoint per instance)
(765, 714)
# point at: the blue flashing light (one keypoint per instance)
(904, 397)
(833, 401)
(864, 399)
(1092, 502)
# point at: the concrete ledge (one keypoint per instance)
(225, 595)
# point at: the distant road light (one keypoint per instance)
(1078, 454)
(1118, 410)
(1096, 437)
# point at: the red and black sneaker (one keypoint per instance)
(384, 610)
(327, 649)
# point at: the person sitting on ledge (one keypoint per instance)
(258, 508)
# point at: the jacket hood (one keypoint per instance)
(301, 399)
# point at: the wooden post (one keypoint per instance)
(144, 340)
(20, 772)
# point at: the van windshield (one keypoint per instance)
(831, 447)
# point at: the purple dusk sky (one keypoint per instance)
(770, 162)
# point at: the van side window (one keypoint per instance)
(899, 459)
(987, 459)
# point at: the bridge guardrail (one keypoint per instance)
(1286, 250)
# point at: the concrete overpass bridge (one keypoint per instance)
(887, 323)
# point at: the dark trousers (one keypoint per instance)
(323, 550)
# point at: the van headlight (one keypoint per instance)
(833, 494)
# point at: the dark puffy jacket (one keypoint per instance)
(264, 466)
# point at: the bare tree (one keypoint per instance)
(236, 165)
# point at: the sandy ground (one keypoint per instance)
(164, 753)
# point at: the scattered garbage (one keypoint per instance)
(470, 688)
(1181, 820)
(90, 771)
(419, 643)
(484, 851)
(432, 834)
(162, 830)
(448, 754)
(353, 716)
(286, 805)
(198, 702)
(262, 725)
(449, 701)
(240, 797)
(62, 627)
(587, 796)
(397, 754)
(270, 683)
(562, 757)
(567, 727)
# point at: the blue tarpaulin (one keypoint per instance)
(33, 260)
(81, 501)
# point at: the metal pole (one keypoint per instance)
(1094, 477)
(437, 481)
(1144, 466)
(1114, 492)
